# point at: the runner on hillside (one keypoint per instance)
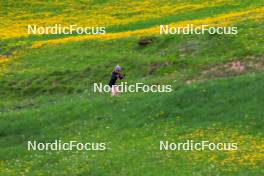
(115, 75)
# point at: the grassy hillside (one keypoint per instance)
(134, 124)
(73, 67)
(46, 88)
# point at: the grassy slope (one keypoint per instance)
(31, 105)
(134, 129)
(19, 43)
(73, 67)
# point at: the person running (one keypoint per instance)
(115, 76)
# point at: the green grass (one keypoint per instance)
(73, 67)
(11, 45)
(134, 125)
(46, 95)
